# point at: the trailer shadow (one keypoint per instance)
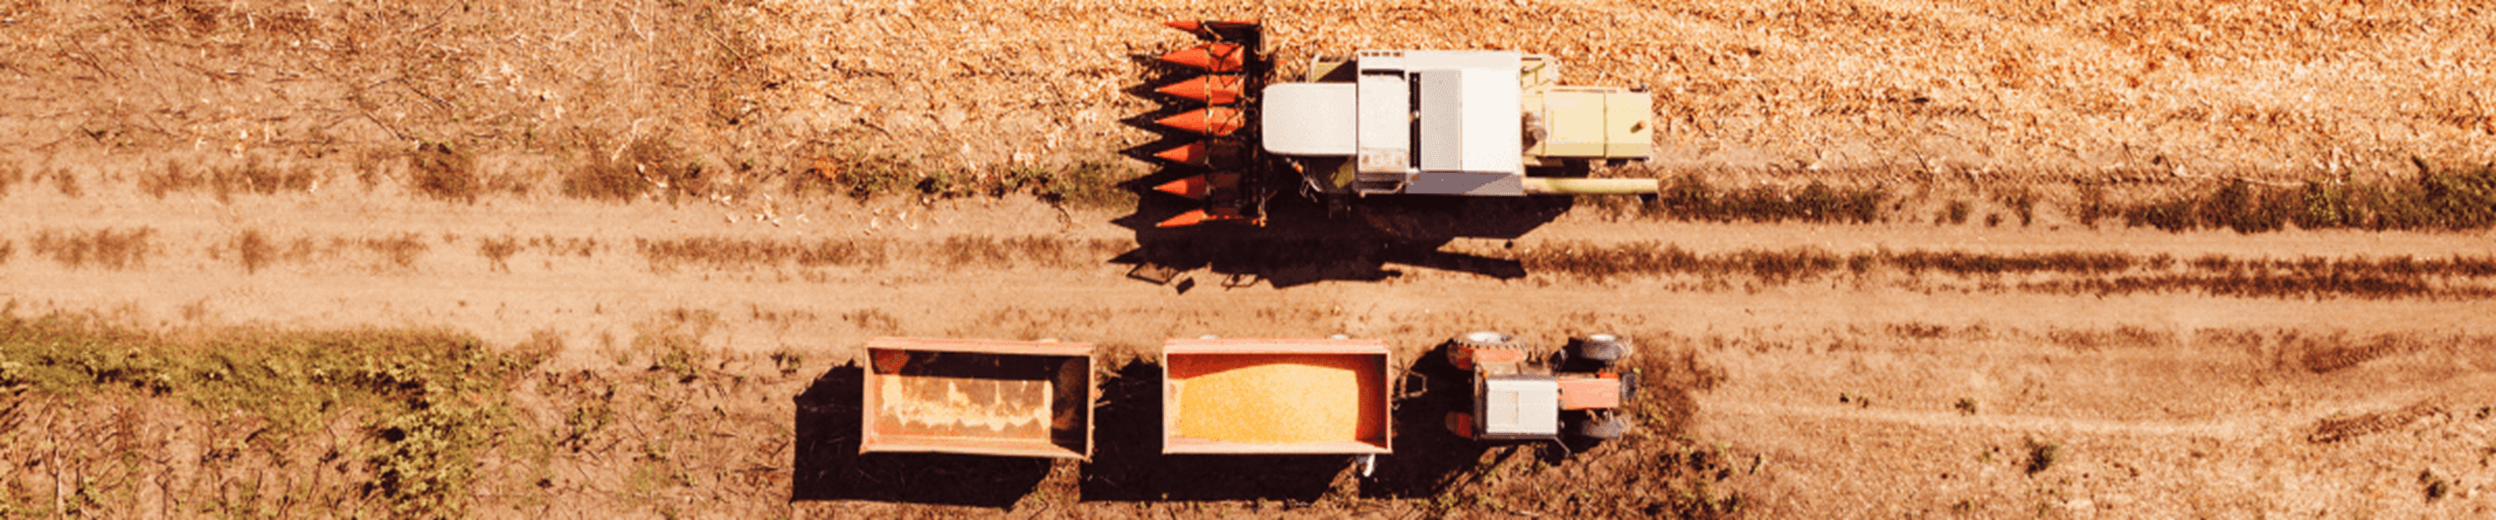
(828, 465)
(1429, 458)
(1127, 463)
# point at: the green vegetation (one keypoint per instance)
(10, 174)
(253, 250)
(429, 400)
(444, 172)
(642, 166)
(1966, 405)
(108, 248)
(1091, 183)
(2103, 273)
(67, 182)
(2451, 200)
(724, 252)
(401, 250)
(2022, 201)
(958, 251)
(1689, 197)
(252, 176)
(498, 251)
(1689, 475)
(862, 174)
(2436, 486)
(2042, 455)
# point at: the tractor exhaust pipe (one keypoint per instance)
(1578, 186)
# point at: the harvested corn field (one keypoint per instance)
(1988, 258)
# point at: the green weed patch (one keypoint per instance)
(1690, 197)
(429, 400)
(2094, 273)
(2448, 200)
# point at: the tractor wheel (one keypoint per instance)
(1486, 339)
(1603, 427)
(1603, 348)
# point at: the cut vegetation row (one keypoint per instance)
(2098, 273)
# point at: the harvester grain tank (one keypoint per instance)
(1395, 122)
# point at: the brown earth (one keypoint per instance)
(174, 165)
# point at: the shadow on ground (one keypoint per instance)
(829, 467)
(1303, 242)
(1127, 463)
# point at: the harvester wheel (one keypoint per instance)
(1603, 427)
(1603, 348)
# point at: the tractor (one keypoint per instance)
(1521, 394)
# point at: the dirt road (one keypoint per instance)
(1846, 387)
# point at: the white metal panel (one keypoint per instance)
(1471, 121)
(1521, 407)
(1467, 183)
(1310, 119)
(1381, 60)
(1386, 122)
(1489, 61)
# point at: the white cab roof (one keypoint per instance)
(1470, 121)
(1521, 406)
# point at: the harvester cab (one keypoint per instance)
(1521, 394)
(1387, 122)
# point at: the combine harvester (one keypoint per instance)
(1391, 122)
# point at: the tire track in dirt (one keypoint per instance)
(2100, 373)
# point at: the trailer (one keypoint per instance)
(1276, 396)
(1006, 398)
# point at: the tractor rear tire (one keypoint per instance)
(1487, 339)
(1603, 427)
(1604, 349)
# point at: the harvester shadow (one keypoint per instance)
(1303, 242)
(1127, 463)
(828, 465)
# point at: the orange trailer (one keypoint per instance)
(1276, 396)
(1011, 398)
